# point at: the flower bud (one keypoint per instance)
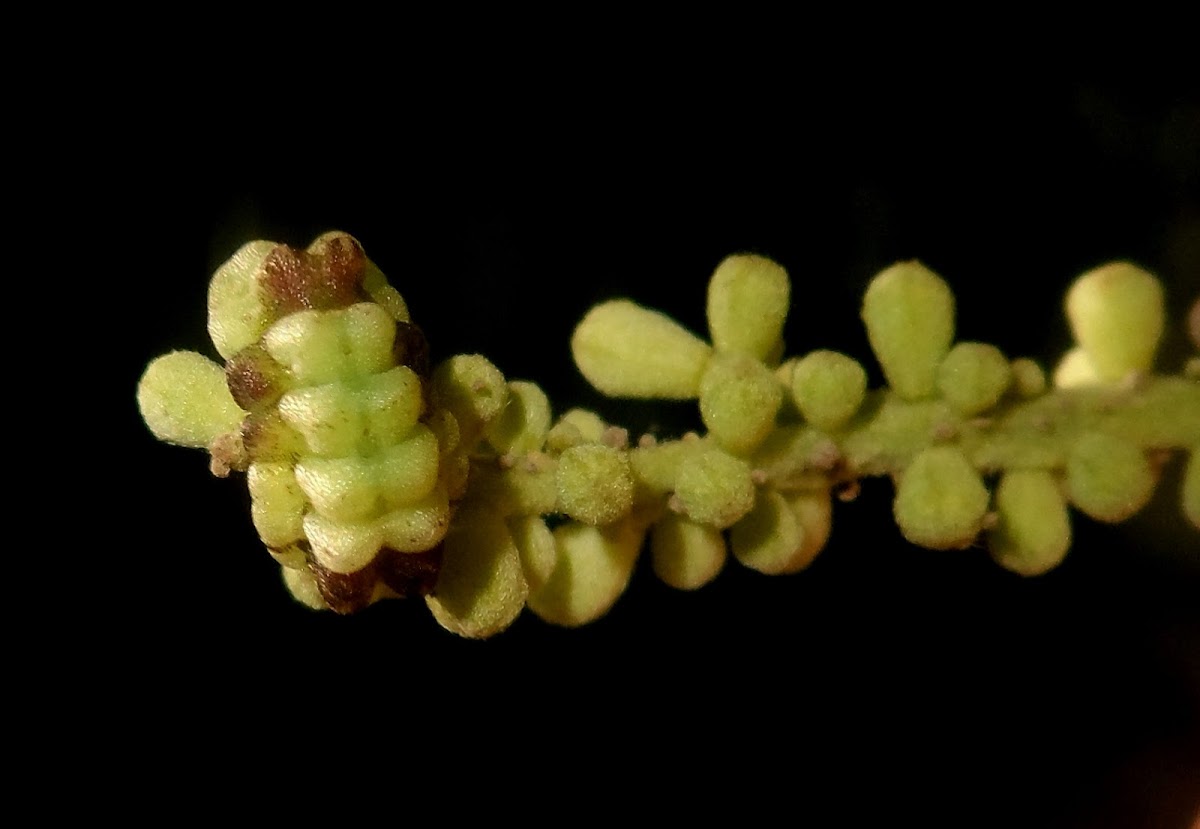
(184, 400)
(828, 388)
(941, 500)
(523, 425)
(593, 569)
(481, 588)
(472, 389)
(1108, 477)
(973, 377)
(595, 485)
(1116, 313)
(715, 488)
(909, 314)
(686, 555)
(535, 543)
(767, 538)
(1034, 531)
(814, 512)
(739, 398)
(1028, 378)
(1075, 370)
(748, 300)
(625, 350)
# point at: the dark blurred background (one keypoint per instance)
(502, 212)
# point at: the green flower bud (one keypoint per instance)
(715, 488)
(573, 428)
(909, 314)
(973, 377)
(535, 543)
(593, 569)
(1116, 313)
(1028, 378)
(814, 513)
(481, 588)
(523, 425)
(739, 398)
(237, 314)
(1034, 531)
(472, 389)
(748, 299)
(1075, 370)
(1108, 477)
(769, 536)
(625, 350)
(941, 500)
(184, 400)
(1191, 488)
(595, 484)
(686, 555)
(828, 388)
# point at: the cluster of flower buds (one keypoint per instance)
(374, 475)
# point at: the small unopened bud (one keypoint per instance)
(481, 588)
(973, 377)
(595, 484)
(828, 388)
(686, 555)
(1108, 477)
(1034, 531)
(1116, 313)
(625, 350)
(748, 300)
(909, 313)
(715, 488)
(768, 538)
(941, 500)
(593, 569)
(739, 398)
(184, 400)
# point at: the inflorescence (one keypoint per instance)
(374, 475)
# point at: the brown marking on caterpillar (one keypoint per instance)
(266, 436)
(410, 348)
(409, 574)
(344, 592)
(254, 378)
(324, 279)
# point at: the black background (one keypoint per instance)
(916, 679)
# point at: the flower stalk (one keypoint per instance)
(374, 475)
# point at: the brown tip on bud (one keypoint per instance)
(328, 276)
(409, 574)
